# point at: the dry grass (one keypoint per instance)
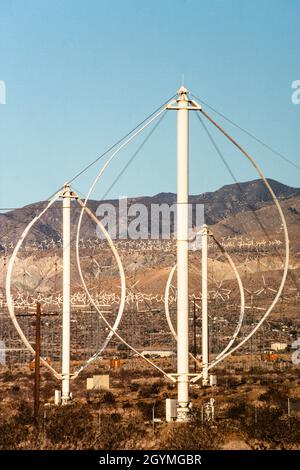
(251, 412)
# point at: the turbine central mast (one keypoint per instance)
(183, 106)
(67, 195)
(182, 254)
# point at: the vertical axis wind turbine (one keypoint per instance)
(183, 106)
(182, 376)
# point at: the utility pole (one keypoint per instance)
(183, 105)
(37, 363)
(205, 348)
(66, 196)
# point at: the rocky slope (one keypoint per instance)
(232, 206)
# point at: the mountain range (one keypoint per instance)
(233, 209)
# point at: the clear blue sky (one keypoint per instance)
(80, 74)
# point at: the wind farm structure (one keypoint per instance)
(183, 103)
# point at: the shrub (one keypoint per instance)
(7, 376)
(192, 435)
(114, 433)
(11, 434)
(145, 391)
(24, 415)
(188, 436)
(14, 430)
(148, 391)
(70, 425)
(267, 424)
(146, 409)
(97, 397)
(134, 387)
(275, 396)
(236, 410)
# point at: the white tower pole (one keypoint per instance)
(205, 352)
(66, 196)
(182, 255)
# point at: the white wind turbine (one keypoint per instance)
(264, 289)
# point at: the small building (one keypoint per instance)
(278, 346)
(98, 382)
(162, 353)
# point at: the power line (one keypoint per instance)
(100, 156)
(216, 147)
(133, 156)
(283, 157)
(114, 145)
